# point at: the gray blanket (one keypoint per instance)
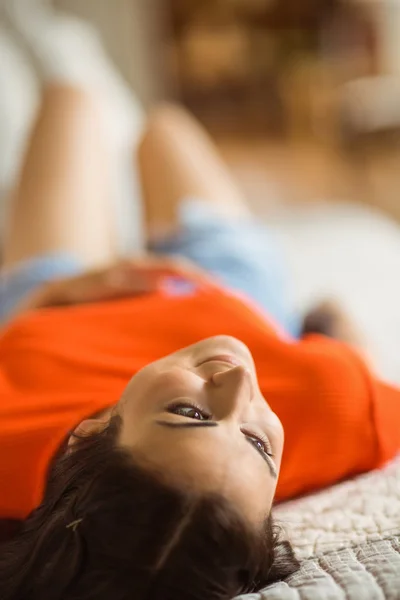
(370, 571)
(347, 539)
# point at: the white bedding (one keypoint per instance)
(353, 253)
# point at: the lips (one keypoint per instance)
(224, 358)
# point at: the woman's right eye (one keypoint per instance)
(191, 412)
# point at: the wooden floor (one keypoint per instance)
(305, 171)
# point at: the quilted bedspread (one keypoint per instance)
(347, 539)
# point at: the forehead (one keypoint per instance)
(209, 460)
(201, 451)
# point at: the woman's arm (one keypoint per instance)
(126, 278)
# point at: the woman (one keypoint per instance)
(160, 485)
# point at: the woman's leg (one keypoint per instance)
(62, 203)
(178, 160)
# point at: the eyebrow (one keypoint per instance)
(187, 424)
(190, 425)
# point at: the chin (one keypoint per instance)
(232, 344)
(224, 346)
(226, 341)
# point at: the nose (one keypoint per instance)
(234, 388)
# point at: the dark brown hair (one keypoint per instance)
(109, 529)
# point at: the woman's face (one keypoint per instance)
(198, 416)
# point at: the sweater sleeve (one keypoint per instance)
(32, 428)
(383, 398)
(386, 407)
(340, 421)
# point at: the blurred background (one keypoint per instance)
(301, 96)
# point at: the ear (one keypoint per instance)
(87, 428)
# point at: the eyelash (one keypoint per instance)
(262, 439)
(252, 437)
(194, 406)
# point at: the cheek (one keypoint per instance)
(144, 387)
(140, 399)
(152, 389)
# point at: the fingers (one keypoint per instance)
(128, 277)
(158, 266)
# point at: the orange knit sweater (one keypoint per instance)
(58, 366)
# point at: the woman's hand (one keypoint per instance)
(130, 277)
(328, 318)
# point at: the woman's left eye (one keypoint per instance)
(191, 412)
